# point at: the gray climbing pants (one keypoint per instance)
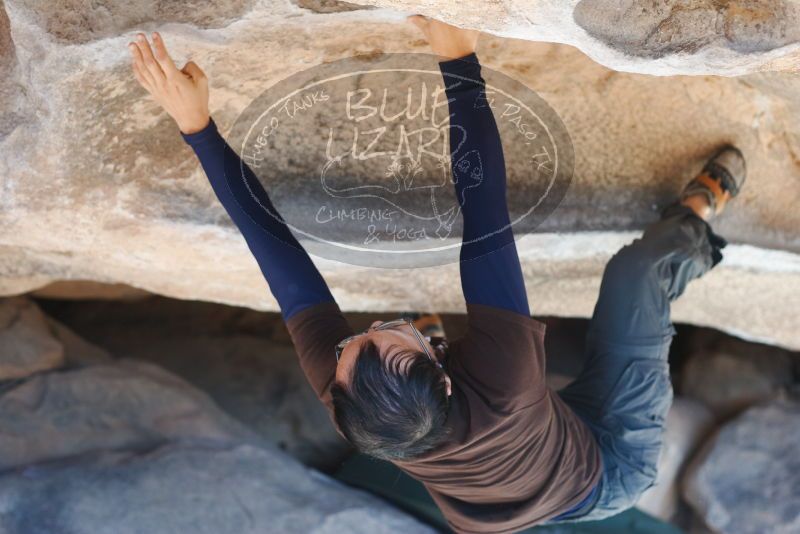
(624, 391)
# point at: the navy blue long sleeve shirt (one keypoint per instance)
(490, 269)
(291, 275)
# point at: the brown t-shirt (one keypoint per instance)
(517, 455)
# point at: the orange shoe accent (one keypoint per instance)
(715, 186)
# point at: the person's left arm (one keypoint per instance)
(502, 352)
(491, 274)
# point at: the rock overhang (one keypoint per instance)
(97, 184)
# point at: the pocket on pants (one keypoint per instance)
(633, 418)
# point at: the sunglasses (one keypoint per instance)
(389, 325)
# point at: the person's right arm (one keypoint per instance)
(311, 314)
(312, 317)
(291, 275)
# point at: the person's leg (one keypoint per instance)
(624, 391)
(641, 280)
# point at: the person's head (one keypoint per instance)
(390, 394)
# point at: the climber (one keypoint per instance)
(473, 420)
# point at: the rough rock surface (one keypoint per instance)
(733, 376)
(125, 405)
(657, 29)
(190, 489)
(242, 359)
(27, 345)
(259, 383)
(97, 185)
(77, 351)
(124, 446)
(657, 37)
(745, 482)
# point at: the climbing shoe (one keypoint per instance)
(722, 178)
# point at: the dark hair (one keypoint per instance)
(394, 409)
